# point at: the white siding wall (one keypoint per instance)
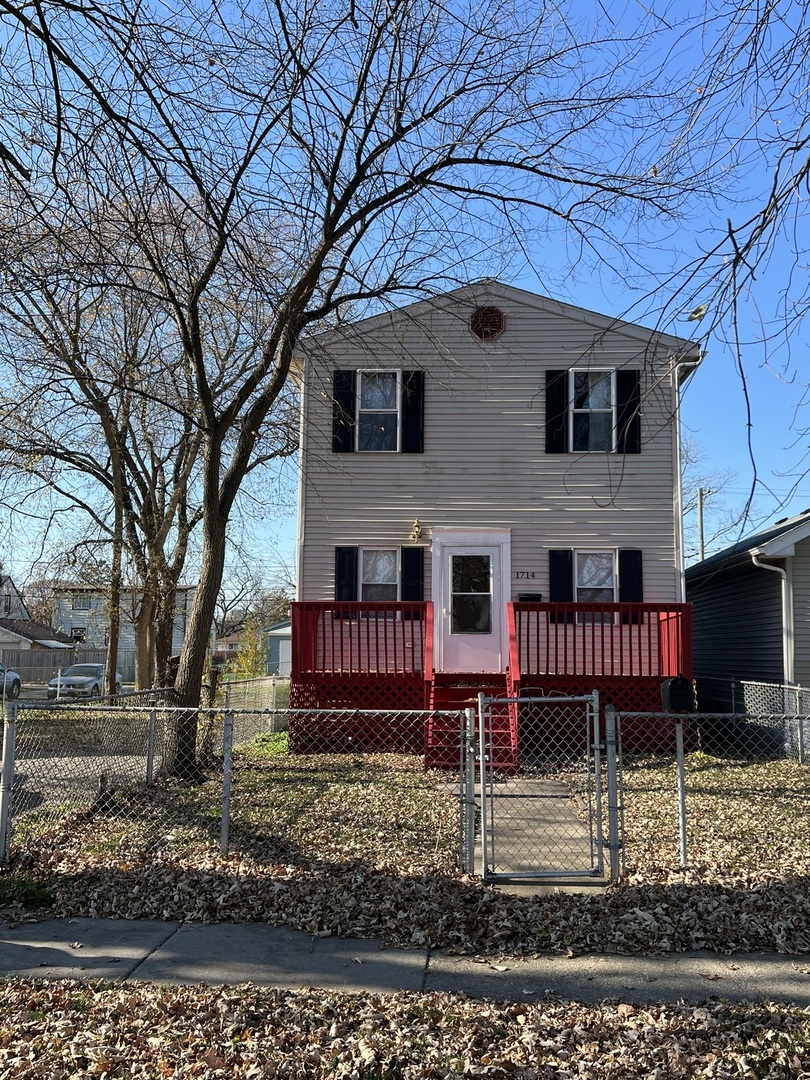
(484, 463)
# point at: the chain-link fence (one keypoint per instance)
(541, 788)
(270, 692)
(146, 775)
(715, 694)
(725, 794)
(82, 765)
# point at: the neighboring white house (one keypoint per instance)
(82, 612)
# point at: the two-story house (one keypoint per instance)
(489, 500)
(83, 613)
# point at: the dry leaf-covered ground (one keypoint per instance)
(367, 846)
(52, 1030)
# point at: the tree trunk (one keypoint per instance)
(196, 646)
(145, 642)
(115, 604)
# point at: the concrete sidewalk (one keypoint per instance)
(172, 952)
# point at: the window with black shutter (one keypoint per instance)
(593, 410)
(365, 573)
(378, 411)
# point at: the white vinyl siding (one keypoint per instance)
(484, 463)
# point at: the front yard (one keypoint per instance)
(366, 845)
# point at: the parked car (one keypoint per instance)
(10, 681)
(81, 680)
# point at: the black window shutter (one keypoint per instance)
(413, 410)
(345, 573)
(412, 573)
(631, 582)
(343, 396)
(556, 412)
(561, 576)
(628, 416)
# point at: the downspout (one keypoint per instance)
(787, 616)
(679, 540)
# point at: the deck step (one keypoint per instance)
(454, 693)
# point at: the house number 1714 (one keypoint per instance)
(522, 574)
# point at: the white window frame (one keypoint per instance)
(582, 617)
(361, 572)
(572, 373)
(86, 602)
(359, 410)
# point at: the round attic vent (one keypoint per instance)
(487, 323)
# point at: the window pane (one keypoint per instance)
(471, 615)
(379, 592)
(471, 573)
(378, 390)
(593, 431)
(592, 390)
(377, 431)
(380, 566)
(595, 596)
(595, 571)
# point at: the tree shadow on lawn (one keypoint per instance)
(440, 910)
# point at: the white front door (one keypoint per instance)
(468, 576)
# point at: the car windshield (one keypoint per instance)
(89, 670)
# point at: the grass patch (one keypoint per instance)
(744, 818)
(18, 889)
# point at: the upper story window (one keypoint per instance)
(378, 399)
(593, 410)
(6, 603)
(378, 411)
(81, 602)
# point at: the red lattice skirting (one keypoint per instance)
(394, 730)
(624, 694)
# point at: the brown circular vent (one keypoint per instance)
(487, 323)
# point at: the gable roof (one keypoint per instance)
(776, 541)
(488, 290)
(38, 632)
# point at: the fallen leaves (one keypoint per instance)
(51, 1029)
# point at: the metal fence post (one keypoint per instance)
(7, 779)
(227, 756)
(469, 794)
(679, 750)
(611, 756)
(800, 738)
(150, 746)
(483, 762)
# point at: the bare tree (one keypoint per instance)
(351, 155)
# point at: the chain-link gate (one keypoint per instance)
(540, 787)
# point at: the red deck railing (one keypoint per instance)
(630, 640)
(362, 638)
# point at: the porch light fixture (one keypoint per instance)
(416, 531)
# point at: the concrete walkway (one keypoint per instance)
(172, 952)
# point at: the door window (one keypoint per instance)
(471, 594)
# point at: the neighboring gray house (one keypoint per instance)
(279, 648)
(751, 611)
(82, 612)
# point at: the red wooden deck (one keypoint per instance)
(379, 656)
